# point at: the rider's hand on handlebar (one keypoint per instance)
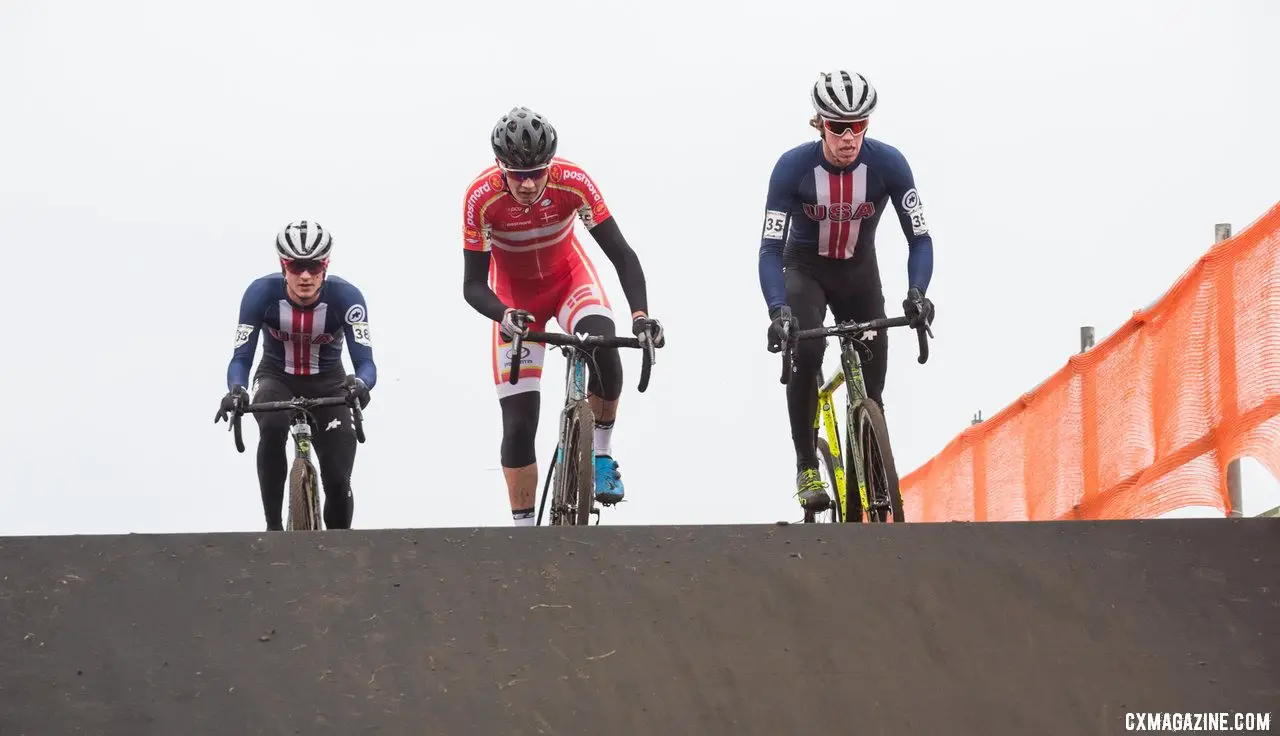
(356, 386)
(235, 400)
(515, 321)
(645, 327)
(918, 308)
(780, 328)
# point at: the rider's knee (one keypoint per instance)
(808, 356)
(596, 324)
(604, 378)
(519, 428)
(336, 429)
(273, 426)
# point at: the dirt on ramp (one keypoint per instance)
(1031, 628)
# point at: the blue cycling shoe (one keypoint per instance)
(608, 480)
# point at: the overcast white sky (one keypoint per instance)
(1072, 161)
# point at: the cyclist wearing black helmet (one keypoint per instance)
(524, 265)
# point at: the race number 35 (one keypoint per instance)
(774, 224)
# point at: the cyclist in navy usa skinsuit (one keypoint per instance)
(817, 249)
(304, 315)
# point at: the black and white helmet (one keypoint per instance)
(523, 139)
(842, 95)
(304, 241)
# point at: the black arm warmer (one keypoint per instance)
(475, 285)
(630, 275)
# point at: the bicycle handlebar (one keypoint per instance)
(852, 329)
(582, 342)
(301, 404)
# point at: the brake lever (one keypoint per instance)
(651, 347)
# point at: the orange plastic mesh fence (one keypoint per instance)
(1143, 423)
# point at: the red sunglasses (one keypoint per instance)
(838, 127)
(301, 267)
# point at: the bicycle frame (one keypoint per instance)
(300, 418)
(300, 432)
(575, 349)
(575, 390)
(850, 375)
(851, 336)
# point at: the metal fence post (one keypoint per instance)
(1221, 232)
(1086, 337)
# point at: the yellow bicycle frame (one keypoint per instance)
(826, 419)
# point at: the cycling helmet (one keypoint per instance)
(841, 95)
(304, 241)
(523, 139)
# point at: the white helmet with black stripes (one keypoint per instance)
(304, 240)
(842, 95)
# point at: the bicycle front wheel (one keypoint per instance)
(304, 498)
(575, 476)
(884, 497)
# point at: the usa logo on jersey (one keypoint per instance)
(840, 211)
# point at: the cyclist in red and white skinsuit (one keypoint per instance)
(523, 266)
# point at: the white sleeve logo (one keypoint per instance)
(355, 314)
(915, 212)
(242, 334)
(774, 224)
(360, 330)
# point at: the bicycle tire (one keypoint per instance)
(304, 501)
(878, 465)
(575, 476)
(850, 476)
(829, 464)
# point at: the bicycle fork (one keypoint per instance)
(575, 389)
(849, 376)
(826, 417)
(301, 432)
(855, 391)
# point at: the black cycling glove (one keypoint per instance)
(358, 387)
(235, 399)
(780, 328)
(918, 308)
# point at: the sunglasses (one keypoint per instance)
(838, 127)
(527, 174)
(301, 267)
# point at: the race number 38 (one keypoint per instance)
(242, 334)
(774, 224)
(360, 331)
